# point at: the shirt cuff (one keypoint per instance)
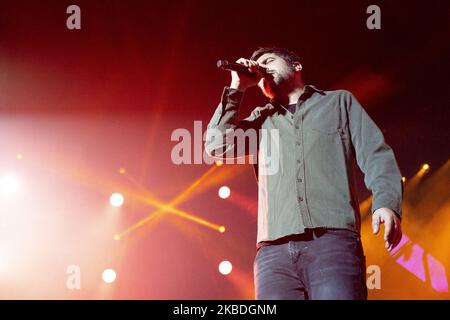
(387, 203)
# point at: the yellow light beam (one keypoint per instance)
(182, 196)
(414, 181)
(163, 208)
(69, 169)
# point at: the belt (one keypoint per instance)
(308, 235)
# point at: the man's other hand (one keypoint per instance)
(392, 226)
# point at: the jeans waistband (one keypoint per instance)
(308, 235)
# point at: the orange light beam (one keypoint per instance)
(163, 208)
(88, 177)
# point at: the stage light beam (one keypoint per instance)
(225, 267)
(116, 200)
(170, 207)
(224, 192)
(109, 276)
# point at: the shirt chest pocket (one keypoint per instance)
(326, 121)
(327, 131)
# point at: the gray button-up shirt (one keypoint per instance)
(317, 148)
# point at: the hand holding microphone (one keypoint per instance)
(245, 73)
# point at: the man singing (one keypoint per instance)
(308, 241)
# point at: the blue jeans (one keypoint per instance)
(322, 264)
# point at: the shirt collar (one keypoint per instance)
(309, 89)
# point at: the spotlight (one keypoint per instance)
(224, 192)
(219, 163)
(225, 267)
(221, 229)
(9, 184)
(19, 156)
(403, 179)
(116, 237)
(426, 167)
(109, 275)
(122, 170)
(116, 200)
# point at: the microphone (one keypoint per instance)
(230, 66)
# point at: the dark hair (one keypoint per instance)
(286, 54)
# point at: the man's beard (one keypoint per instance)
(274, 85)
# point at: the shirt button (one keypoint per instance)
(299, 180)
(300, 198)
(297, 143)
(298, 161)
(297, 127)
